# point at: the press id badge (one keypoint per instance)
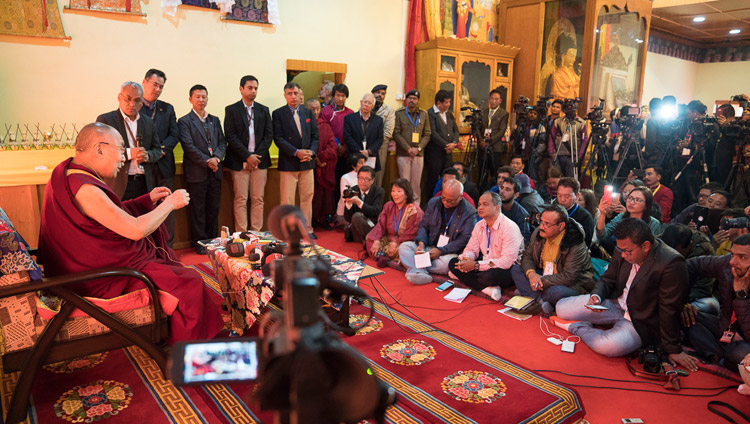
(364, 144)
(565, 137)
(443, 240)
(487, 132)
(415, 138)
(549, 268)
(727, 337)
(685, 152)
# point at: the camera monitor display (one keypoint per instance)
(215, 361)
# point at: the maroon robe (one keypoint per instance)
(324, 199)
(70, 242)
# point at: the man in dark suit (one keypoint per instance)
(141, 143)
(296, 135)
(363, 209)
(204, 146)
(363, 132)
(248, 129)
(443, 139)
(494, 123)
(643, 292)
(165, 123)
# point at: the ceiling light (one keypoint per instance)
(699, 19)
(638, 40)
(734, 31)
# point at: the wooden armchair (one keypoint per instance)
(29, 341)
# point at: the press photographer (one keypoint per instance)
(529, 137)
(568, 139)
(362, 204)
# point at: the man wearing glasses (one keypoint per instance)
(363, 207)
(641, 294)
(556, 263)
(443, 233)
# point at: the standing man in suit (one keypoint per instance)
(494, 124)
(643, 292)
(204, 146)
(248, 129)
(363, 132)
(412, 133)
(389, 122)
(296, 135)
(141, 143)
(165, 123)
(443, 139)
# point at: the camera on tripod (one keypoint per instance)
(570, 107)
(475, 118)
(629, 119)
(350, 192)
(744, 104)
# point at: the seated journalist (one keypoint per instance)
(556, 263)
(86, 226)
(643, 291)
(443, 233)
(498, 240)
(363, 207)
(396, 224)
(724, 336)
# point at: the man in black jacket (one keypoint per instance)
(165, 126)
(296, 135)
(248, 130)
(363, 207)
(443, 139)
(643, 292)
(723, 336)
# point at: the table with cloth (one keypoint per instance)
(247, 291)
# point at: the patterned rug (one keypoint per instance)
(438, 377)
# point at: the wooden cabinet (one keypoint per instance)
(466, 69)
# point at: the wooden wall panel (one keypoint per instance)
(522, 28)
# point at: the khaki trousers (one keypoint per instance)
(253, 184)
(305, 181)
(410, 168)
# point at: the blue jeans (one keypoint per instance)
(550, 294)
(620, 340)
(406, 253)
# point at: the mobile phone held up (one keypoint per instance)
(445, 286)
(597, 307)
(218, 360)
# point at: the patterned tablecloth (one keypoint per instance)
(246, 291)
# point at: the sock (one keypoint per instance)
(495, 293)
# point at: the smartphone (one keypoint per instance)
(445, 286)
(597, 307)
(615, 197)
(218, 360)
(639, 173)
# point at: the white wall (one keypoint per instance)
(688, 80)
(54, 82)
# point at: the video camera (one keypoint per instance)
(305, 372)
(629, 119)
(570, 107)
(475, 118)
(744, 104)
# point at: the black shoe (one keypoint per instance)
(313, 236)
(201, 250)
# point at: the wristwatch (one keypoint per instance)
(476, 266)
(741, 294)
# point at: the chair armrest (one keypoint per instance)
(77, 277)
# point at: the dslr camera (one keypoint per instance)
(350, 192)
(651, 358)
(742, 222)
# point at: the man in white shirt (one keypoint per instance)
(641, 294)
(498, 241)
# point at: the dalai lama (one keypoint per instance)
(86, 226)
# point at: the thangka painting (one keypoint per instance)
(562, 47)
(472, 19)
(117, 6)
(249, 11)
(34, 18)
(617, 59)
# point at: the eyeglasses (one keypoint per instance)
(364, 179)
(547, 224)
(120, 148)
(635, 200)
(625, 251)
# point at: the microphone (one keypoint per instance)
(285, 222)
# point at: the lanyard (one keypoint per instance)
(449, 220)
(136, 142)
(657, 189)
(492, 113)
(365, 123)
(408, 115)
(574, 210)
(488, 240)
(397, 219)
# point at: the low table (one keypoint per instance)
(247, 292)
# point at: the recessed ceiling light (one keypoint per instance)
(734, 31)
(699, 19)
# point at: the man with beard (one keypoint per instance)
(509, 191)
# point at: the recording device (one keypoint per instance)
(305, 372)
(475, 118)
(445, 286)
(596, 307)
(214, 361)
(570, 107)
(350, 192)
(709, 217)
(235, 249)
(744, 104)
(651, 358)
(742, 222)
(639, 173)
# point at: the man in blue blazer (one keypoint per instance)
(165, 125)
(363, 131)
(296, 135)
(248, 129)
(204, 146)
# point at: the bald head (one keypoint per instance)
(95, 133)
(453, 187)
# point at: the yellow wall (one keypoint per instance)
(720, 81)
(74, 81)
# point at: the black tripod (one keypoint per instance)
(633, 140)
(599, 158)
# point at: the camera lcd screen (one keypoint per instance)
(220, 361)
